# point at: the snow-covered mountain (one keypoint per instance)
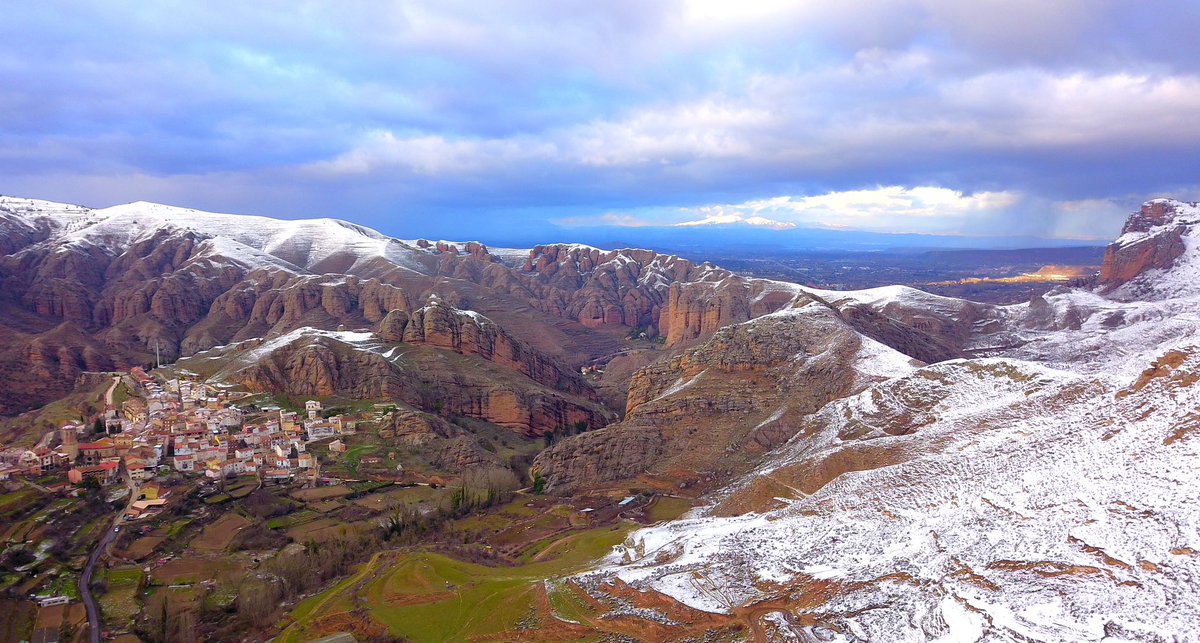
(891, 465)
(1048, 492)
(312, 246)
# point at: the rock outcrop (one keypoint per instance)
(711, 411)
(1152, 238)
(469, 333)
(144, 277)
(322, 364)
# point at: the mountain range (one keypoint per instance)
(882, 464)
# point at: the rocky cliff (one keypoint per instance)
(709, 412)
(1040, 494)
(144, 276)
(309, 362)
(469, 333)
(1152, 240)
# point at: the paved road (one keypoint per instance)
(85, 579)
(85, 592)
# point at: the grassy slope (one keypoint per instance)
(426, 596)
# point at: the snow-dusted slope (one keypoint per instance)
(973, 500)
(311, 245)
(1047, 493)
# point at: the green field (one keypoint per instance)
(425, 596)
(15, 500)
(668, 508)
(120, 603)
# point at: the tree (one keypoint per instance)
(98, 425)
(293, 453)
(539, 483)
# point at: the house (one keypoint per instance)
(106, 472)
(305, 461)
(337, 446)
(151, 491)
(140, 508)
(320, 429)
(289, 421)
(184, 463)
(37, 461)
(137, 468)
(277, 475)
(134, 410)
(313, 408)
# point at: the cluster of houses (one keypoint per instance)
(186, 425)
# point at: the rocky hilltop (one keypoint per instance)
(882, 464)
(710, 412)
(1151, 241)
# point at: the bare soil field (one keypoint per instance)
(322, 493)
(217, 536)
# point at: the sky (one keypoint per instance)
(560, 118)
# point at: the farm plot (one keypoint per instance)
(186, 571)
(322, 493)
(320, 530)
(217, 536)
(144, 546)
(425, 596)
(120, 603)
(415, 495)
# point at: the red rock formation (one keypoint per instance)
(1159, 245)
(713, 409)
(320, 365)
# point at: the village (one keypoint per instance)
(188, 491)
(182, 425)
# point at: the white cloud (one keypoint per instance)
(721, 215)
(897, 209)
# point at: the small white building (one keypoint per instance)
(313, 408)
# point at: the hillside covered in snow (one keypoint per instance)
(1046, 492)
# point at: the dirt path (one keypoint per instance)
(108, 395)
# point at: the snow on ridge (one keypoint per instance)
(1180, 279)
(1185, 214)
(1017, 508)
(304, 243)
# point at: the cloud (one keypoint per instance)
(721, 216)
(578, 110)
(896, 209)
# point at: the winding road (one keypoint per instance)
(85, 579)
(85, 592)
